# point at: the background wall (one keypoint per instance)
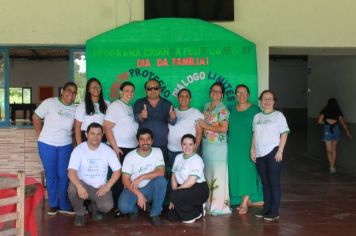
(289, 78)
(38, 73)
(332, 76)
(272, 23)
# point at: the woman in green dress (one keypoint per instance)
(245, 184)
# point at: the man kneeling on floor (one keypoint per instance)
(143, 171)
(87, 171)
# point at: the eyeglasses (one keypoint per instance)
(153, 88)
(241, 92)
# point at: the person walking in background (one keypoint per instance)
(55, 145)
(214, 150)
(120, 128)
(92, 109)
(245, 184)
(330, 117)
(270, 131)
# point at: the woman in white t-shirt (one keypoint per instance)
(270, 131)
(55, 145)
(92, 109)
(187, 123)
(120, 128)
(189, 188)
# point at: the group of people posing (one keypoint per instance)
(240, 162)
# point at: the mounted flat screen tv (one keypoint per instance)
(210, 10)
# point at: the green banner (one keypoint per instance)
(180, 53)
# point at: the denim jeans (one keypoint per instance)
(270, 172)
(55, 161)
(154, 192)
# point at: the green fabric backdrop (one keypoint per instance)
(179, 53)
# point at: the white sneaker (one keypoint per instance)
(193, 220)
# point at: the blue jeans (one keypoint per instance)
(154, 192)
(55, 161)
(270, 172)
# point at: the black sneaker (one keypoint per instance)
(53, 211)
(155, 220)
(117, 213)
(262, 213)
(68, 212)
(193, 220)
(271, 217)
(79, 221)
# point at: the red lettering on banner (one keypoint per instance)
(162, 62)
(143, 62)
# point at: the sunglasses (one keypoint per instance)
(153, 88)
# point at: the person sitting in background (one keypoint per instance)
(87, 171)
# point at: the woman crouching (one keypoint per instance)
(189, 188)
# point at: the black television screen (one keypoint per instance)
(211, 10)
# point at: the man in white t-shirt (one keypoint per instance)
(143, 178)
(87, 171)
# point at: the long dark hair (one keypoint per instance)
(332, 107)
(89, 105)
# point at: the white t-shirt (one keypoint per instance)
(186, 121)
(267, 130)
(82, 116)
(58, 122)
(184, 168)
(92, 165)
(125, 127)
(136, 165)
